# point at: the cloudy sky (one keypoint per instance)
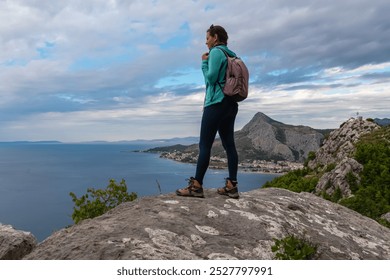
(121, 70)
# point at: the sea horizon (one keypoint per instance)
(36, 179)
(169, 141)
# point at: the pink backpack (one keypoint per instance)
(237, 78)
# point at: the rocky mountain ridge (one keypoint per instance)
(337, 152)
(262, 139)
(265, 138)
(382, 122)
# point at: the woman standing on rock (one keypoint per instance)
(219, 115)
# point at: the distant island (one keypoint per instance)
(31, 142)
(162, 141)
(382, 122)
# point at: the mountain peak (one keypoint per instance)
(260, 117)
(268, 139)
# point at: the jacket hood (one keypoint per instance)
(225, 48)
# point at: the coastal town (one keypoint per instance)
(260, 166)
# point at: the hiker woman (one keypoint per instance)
(219, 115)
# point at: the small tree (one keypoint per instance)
(97, 202)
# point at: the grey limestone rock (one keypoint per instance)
(386, 216)
(169, 227)
(338, 177)
(338, 150)
(341, 142)
(15, 244)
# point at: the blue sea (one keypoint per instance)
(36, 179)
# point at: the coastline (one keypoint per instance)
(252, 166)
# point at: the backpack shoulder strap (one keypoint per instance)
(225, 52)
(219, 72)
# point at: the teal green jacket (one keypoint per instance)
(214, 71)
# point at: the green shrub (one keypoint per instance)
(310, 156)
(372, 196)
(368, 202)
(297, 181)
(352, 181)
(293, 248)
(97, 202)
(384, 222)
(330, 167)
(335, 197)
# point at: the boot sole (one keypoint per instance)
(234, 195)
(190, 195)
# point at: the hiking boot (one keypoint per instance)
(193, 189)
(230, 189)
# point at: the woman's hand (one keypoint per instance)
(205, 56)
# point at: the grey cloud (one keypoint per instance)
(321, 33)
(319, 86)
(377, 76)
(286, 44)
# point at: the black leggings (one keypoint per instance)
(219, 118)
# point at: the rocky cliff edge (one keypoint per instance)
(171, 227)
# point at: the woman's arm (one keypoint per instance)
(212, 65)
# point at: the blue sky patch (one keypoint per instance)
(45, 51)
